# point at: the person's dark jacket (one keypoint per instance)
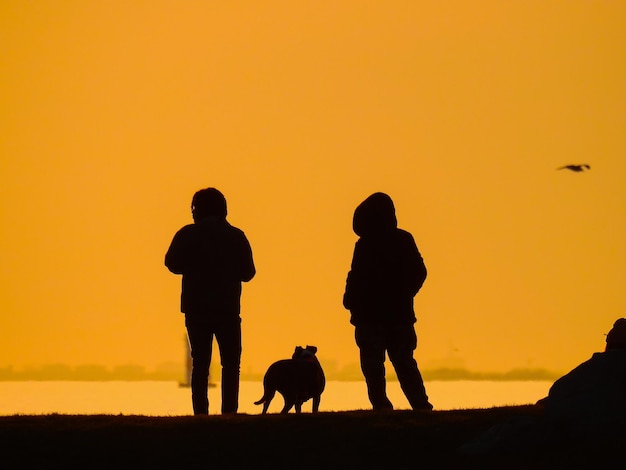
(387, 268)
(214, 258)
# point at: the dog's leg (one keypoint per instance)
(316, 403)
(288, 405)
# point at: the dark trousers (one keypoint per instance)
(228, 336)
(399, 342)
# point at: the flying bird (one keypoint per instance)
(575, 167)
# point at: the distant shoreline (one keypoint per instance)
(137, 373)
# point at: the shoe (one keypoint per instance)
(383, 404)
(426, 406)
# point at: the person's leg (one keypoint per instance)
(201, 343)
(401, 345)
(228, 335)
(372, 353)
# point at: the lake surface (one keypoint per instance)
(169, 399)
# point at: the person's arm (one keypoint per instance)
(175, 256)
(350, 291)
(420, 271)
(247, 269)
(416, 267)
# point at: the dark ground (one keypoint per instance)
(346, 440)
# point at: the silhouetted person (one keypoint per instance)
(387, 272)
(214, 258)
(616, 338)
(586, 404)
(595, 390)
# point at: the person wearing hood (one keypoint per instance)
(214, 258)
(387, 272)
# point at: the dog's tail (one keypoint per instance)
(266, 398)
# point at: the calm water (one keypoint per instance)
(168, 399)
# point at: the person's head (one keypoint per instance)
(376, 214)
(208, 202)
(616, 338)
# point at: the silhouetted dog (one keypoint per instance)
(297, 379)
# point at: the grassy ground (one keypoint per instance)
(346, 440)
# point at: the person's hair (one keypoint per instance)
(208, 202)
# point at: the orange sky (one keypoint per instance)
(114, 113)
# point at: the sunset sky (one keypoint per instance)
(113, 113)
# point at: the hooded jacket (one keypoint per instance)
(387, 268)
(214, 258)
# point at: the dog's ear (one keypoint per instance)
(297, 352)
(313, 349)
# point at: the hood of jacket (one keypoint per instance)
(375, 215)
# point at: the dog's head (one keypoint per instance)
(304, 353)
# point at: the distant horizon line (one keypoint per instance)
(174, 372)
